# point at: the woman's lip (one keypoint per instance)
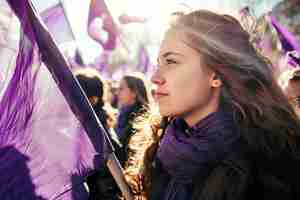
(160, 94)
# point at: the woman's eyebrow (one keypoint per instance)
(168, 54)
(171, 53)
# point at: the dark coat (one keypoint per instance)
(239, 179)
(243, 173)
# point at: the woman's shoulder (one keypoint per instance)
(240, 178)
(230, 179)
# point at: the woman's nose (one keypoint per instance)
(157, 78)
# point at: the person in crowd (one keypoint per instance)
(226, 129)
(133, 99)
(289, 80)
(101, 184)
(95, 89)
(111, 98)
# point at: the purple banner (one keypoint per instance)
(50, 138)
(288, 41)
(57, 24)
(101, 20)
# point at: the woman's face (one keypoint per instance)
(126, 96)
(93, 100)
(185, 87)
(292, 91)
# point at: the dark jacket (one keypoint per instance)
(237, 173)
(243, 178)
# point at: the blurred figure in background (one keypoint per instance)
(133, 101)
(101, 184)
(95, 89)
(111, 96)
(289, 81)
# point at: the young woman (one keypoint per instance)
(227, 127)
(101, 184)
(133, 99)
(289, 81)
(95, 89)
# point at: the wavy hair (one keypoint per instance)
(267, 121)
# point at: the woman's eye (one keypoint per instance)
(170, 61)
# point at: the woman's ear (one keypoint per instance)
(216, 81)
(134, 96)
(93, 100)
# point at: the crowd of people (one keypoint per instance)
(133, 101)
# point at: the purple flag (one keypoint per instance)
(288, 41)
(144, 61)
(45, 150)
(57, 23)
(103, 64)
(100, 19)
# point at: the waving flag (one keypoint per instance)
(57, 23)
(101, 26)
(288, 41)
(143, 60)
(45, 152)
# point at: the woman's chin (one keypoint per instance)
(165, 112)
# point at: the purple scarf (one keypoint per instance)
(192, 152)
